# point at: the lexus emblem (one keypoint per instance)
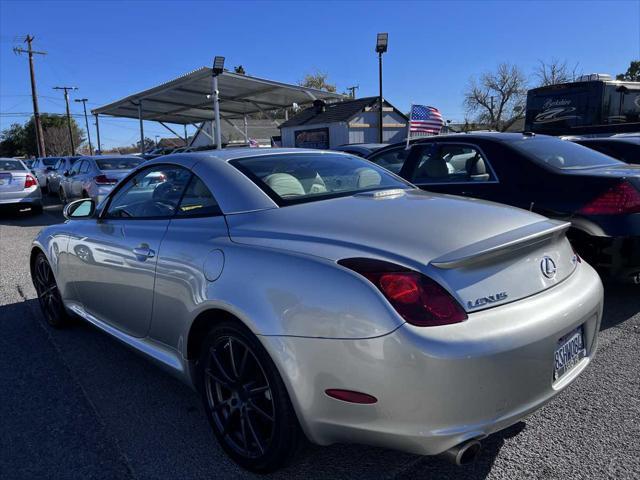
(548, 267)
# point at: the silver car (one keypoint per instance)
(310, 294)
(41, 167)
(18, 186)
(95, 177)
(57, 174)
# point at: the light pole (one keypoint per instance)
(66, 99)
(218, 68)
(86, 121)
(382, 42)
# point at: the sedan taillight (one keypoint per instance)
(30, 181)
(104, 180)
(418, 299)
(623, 198)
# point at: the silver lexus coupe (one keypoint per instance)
(314, 294)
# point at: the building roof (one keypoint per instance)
(335, 112)
(187, 99)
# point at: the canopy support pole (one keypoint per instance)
(171, 130)
(186, 137)
(98, 133)
(246, 129)
(265, 113)
(216, 108)
(141, 127)
(201, 129)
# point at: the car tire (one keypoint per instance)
(45, 188)
(246, 401)
(49, 296)
(62, 196)
(85, 194)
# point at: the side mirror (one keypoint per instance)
(83, 208)
(66, 173)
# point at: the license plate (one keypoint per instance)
(569, 352)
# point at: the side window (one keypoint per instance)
(391, 159)
(152, 193)
(84, 167)
(58, 164)
(75, 169)
(197, 200)
(451, 163)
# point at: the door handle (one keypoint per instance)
(143, 251)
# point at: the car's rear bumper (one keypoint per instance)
(439, 386)
(31, 196)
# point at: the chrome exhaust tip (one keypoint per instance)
(464, 453)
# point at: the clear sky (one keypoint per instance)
(110, 49)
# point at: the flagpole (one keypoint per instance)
(409, 126)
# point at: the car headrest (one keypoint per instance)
(476, 166)
(284, 184)
(434, 167)
(367, 177)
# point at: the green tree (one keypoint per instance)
(632, 74)
(56, 135)
(12, 141)
(319, 81)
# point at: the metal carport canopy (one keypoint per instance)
(188, 99)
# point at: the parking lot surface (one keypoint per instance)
(75, 403)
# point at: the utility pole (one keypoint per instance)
(86, 121)
(352, 90)
(66, 99)
(34, 95)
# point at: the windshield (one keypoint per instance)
(562, 154)
(302, 177)
(50, 161)
(118, 163)
(10, 166)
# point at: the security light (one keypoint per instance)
(382, 42)
(218, 65)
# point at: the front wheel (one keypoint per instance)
(246, 401)
(48, 294)
(62, 196)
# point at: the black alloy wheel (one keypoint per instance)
(48, 293)
(246, 401)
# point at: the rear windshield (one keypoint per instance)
(50, 161)
(303, 177)
(118, 163)
(562, 154)
(11, 166)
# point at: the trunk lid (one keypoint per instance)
(12, 181)
(485, 254)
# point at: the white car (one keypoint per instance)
(94, 177)
(18, 186)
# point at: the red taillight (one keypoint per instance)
(29, 181)
(351, 396)
(417, 298)
(104, 180)
(622, 198)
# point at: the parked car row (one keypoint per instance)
(597, 194)
(314, 294)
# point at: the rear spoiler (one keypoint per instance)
(502, 244)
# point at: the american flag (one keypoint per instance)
(425, 119)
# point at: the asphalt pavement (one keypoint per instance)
(76, 404)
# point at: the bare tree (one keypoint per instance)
(497, 98)
(554, 72)
(57, 141)
(319, 81)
